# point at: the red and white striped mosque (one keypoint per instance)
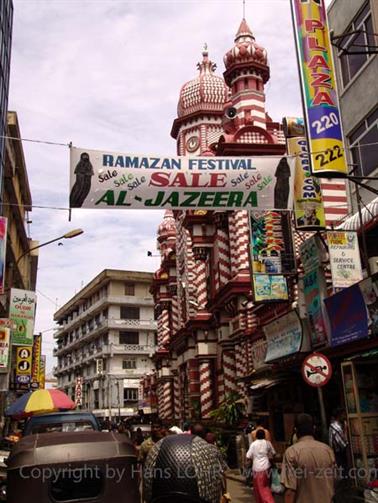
(210, 333)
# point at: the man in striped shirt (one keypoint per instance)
(338, 440)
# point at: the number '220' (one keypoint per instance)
(329, 155)
(325, 122)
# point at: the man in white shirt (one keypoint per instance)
(261, 452)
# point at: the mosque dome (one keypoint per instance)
(206, 93)
(245, 50)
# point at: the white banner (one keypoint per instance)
(344, 255)
(129, 181)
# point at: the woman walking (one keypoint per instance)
(261, 452)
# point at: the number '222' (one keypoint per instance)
(329, 155)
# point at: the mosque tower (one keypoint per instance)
(200, 111)
(248, 128)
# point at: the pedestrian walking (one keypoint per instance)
(261, 452)
(308, 468)
(338, 441)
(260, 425)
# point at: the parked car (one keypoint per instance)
(61, 421)
(65, 467)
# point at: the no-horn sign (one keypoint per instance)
(316, 370)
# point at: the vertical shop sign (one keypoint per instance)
(312, 253)
(22, 313)
(36, 360)
(23, 364)
(344, 255)
(308, 205)
(314, 293)
(42, 372)
(4, 346)
(318, 83)
(79, 391)
(3, 248)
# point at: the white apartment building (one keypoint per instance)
(105, 342)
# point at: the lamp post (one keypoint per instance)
(67, 235)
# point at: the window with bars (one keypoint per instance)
(130, 313)
(130, 394)
(353, 48)
(129, 289)
(128, 337)
(128, 364)
(363, 143)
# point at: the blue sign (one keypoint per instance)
(347, 315)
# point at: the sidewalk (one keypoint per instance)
(240, 492)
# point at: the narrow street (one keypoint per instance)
(240, 493)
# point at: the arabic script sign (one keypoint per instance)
(22, 312)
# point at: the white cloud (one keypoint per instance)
(106, 75)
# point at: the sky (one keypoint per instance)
(106, 75)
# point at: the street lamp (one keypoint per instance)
(67, 235)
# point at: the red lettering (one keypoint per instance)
(159, 179)
(317, 61)
(217, 180)
(313, 24)
(180, 181)
(321, 80)
(313, 44)
(322, 97)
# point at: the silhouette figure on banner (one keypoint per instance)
(82, 186)
(282, 187)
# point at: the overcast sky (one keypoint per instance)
(106, 74)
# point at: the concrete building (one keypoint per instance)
(105, 342)
(20, 265)
(353, 23)
(6, 22)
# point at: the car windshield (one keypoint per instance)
(67, 426)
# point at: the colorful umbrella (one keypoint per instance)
(40, 402)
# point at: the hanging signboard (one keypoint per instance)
(344, 255)
(271, 243)
(284, 337)
(128, 181)
(258, 354)
(315, 289)
(308, 206)
(316, 370)
(293, 127)
(42, 372)
(79, 391)
(312, 253)
(22, 313)
(23, 364)
(36, 359)
(4, 346)
(3, 248)
(99, 366)
(316, 69)
(269, 287)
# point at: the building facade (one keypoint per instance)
(353, 24)
(106, 341)
(6, 23)
(355, 49)
(211, 333)
(20, 265)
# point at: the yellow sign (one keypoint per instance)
(36, 357)
(42, 372)
(321, 107)
(308, 206)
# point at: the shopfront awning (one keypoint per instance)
(264, 384)
(369, 215)
(372, 353)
